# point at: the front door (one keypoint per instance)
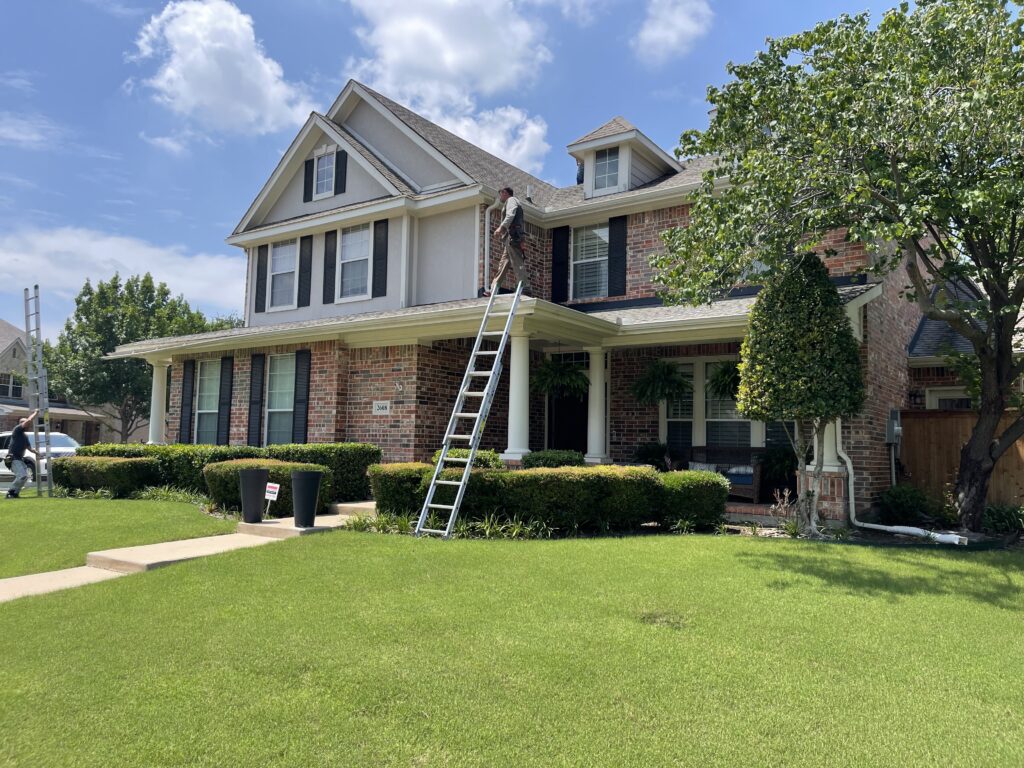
(567, 423)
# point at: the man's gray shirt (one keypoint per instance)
(513, 221)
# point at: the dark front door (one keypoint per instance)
(567, 423)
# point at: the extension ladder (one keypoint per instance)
(39, 388)
(453, 437)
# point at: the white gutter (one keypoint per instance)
(487, 241)
(906, 530)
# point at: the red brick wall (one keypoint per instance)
(383, 373)
(842, 257)
(922, 379)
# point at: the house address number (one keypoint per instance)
(381, 407)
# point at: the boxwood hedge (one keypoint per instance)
(121, 476)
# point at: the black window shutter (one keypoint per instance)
(300, 408)
(380, 258)
(261, 278)
(255, 430)
(330, 264)
(227, 379)
(305, 268)
(617, 256)
(188, 384)
(307, 182)
(340, 171)
(560, 264)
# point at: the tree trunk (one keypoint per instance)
(975, 473)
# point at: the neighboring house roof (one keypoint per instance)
(935, 338)
(613, 127)
(9, 333)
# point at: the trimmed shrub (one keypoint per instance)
(656, 455)
(222, 482)
(485, 457)
(120, 476)
(179, 465)
(905, 504)
(396, 487)
(553, 458)
(695, 496)
(347, 462)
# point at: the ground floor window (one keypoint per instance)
(207, 395)
(679, 418)
(280, 398)
(948, 399)
(724, 426)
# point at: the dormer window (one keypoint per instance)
(606, 169)
(324, 175)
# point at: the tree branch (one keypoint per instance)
(1010, 435)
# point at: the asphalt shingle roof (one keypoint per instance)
(935, 338)
(613, 127)
(8, 333)
(368, 155)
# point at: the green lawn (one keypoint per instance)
(351, 649)
(40, 534)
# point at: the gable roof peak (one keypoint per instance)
(613, 127)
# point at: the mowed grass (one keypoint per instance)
(42, 534)
(350, 649)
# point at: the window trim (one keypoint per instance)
(7, 390)
(618, 169)
(318, 155)
(572, 262)
(932, 395)
(271, 273)
(266, 394)
(338, 298)
(195, 400)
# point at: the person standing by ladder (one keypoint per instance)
(16, 449)
(511, 230)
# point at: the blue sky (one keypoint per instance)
(134, 134)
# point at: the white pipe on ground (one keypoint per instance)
(906, 530)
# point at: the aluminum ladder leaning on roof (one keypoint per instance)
(453, 438)
(39, 388)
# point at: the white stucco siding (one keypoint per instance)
(360, 186)
(399, 150)
(317, 309)
(445, 262)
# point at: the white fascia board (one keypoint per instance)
(658, 152)
(318, 222)
(674, 332)
(641, 201)
(328, 127)
(358, 91)
(605, 141)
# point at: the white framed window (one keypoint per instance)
(9, 385)
(606, 169)
(354, 267)
(323, 185)
(724, 426)
(679, 417)
(280, 399)
(207, 395)
(948, 399)
(284, 257)
(589, 266)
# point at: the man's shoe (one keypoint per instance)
(12, 494)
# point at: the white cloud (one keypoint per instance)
(13, 180)
(60, 259)
(439, 56)
(670, 28)
(214, 71)
(18, 80)
(28, 131)
(170, 144)
(116, 9)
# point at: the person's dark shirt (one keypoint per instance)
(19, 442)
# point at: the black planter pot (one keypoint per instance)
(305, 491)
(253, 483)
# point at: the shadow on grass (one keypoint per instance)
(996, 580)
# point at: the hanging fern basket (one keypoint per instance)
(661, 380)
(560, 379)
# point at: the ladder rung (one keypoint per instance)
(440, 506)
(492, 333)
(456, 459)
(447, 482)
(490, 352)
(480, 373)
(459, 437)
(433, 530)
(473, 394)
(466, 415)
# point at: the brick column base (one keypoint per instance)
(832, 503)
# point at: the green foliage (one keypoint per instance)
(656, 455)
(790, 527)
(120, 476)
(554, 458)
(485, 457)
(111, 314)
(557, 377)
(905, 504)
(696, 496)
(171, 493)
(724, 382)
(660, 380)
(396, 487)
(1002, 519)
(223, 484)
(347, 462)
(800, 361)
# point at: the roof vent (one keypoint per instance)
(529, 193)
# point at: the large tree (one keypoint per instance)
(113, 313)
(909, 135)
(785, 377)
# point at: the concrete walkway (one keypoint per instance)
(112, 563)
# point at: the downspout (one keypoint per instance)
(487, 241)
(906, 530)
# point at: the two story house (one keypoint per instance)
(368, 249)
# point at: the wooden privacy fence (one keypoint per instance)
(931, 454)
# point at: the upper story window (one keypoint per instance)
(590, 262)
(283, 258)
(606, 169)
(324, 186)
(9, 386)
(280, 398)
(354, 262)
(207, 394)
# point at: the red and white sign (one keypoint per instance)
(272, 489)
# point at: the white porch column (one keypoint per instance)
(597, 452)
(518, 399)
(831, 462)
(158, 403)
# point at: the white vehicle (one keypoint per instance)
(60, 445)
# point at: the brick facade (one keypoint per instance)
(923, 379)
